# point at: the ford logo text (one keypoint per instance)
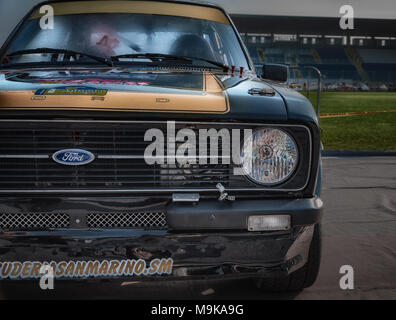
(73, 157)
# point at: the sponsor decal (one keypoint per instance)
(73, 157)
(38, 97)
(95, 81)
(84, 269)
(79, 91)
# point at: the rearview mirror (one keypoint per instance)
(276, 72)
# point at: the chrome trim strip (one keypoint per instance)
(44, 156)
(105, 156)
(23, 156)
(119, 157)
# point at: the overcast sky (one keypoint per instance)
(11, 11)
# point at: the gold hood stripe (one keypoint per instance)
(142, 7)
(212, 99)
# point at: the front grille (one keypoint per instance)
(43, 221)
(127, 220)
(26, 163)
(33, 221)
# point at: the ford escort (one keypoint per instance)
(137, 140)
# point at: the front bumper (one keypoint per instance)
(203, 240)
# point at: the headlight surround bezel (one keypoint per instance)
(289, 175)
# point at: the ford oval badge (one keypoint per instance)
(73, 157)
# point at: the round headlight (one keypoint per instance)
(269, 156)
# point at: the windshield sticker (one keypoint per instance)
(138, 7)
(83, 269)
(94, 81)
(78, 91)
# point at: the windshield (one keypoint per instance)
(113, 34)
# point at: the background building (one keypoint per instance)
(360, 59)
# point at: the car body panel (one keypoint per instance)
(177, 92)
(162, 93)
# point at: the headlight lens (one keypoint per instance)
(269, 156)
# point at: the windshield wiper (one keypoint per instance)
(150, 56)
(61, 51)
(215, 63)
(168, 57)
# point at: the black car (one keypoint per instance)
(137, 141)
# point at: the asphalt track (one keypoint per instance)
(359, 229)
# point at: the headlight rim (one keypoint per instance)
(285, 179)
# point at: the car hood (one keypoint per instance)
(143, 92)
